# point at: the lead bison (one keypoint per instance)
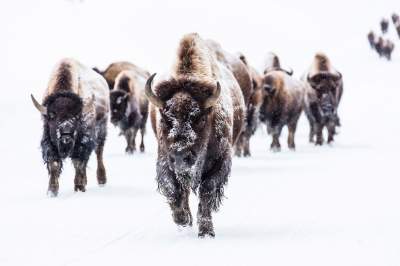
(197, 114)
(129, 105)
(322, 98)
(74, 110)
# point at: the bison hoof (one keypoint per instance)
(247, 154)
(52, 193)
(292, 148)
(206, 231)
(80, 188)
(275, 149)
(130, 150)
(141, 148)
(182, 218)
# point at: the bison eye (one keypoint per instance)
(52, 115)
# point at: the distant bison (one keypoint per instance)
(197, 112)
(282, 103)
(129, 106)
(395, 18)
(112, 71)
(384, 25)
(322, 98)
(371, 39)
(75, 110)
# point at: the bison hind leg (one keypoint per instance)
(101, 138)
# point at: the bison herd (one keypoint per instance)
(204, 110)
(384, 47)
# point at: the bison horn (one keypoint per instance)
(41, 108)
(155, 100)
(290, 73)
(214, 97)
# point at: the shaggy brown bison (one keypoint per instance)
(112, 71)
(197, 113)
(282, 104)
(75, 111)
(129, 106)
(323, 95)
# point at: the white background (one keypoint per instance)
(335, 205)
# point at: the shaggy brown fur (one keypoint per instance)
(196, 121)
(371, 39)
(282, 105)
(323, 95)
(129, 106)
(253, 110)
(112, 71)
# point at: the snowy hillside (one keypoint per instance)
(330, 205)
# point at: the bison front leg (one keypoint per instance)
(275, 145)
(319, 133)
(331, 132)
(177, 196)
(246, 147)
(211, 193)
(142, 132)
(54, 169)
(101, 138)
(128, 137)
(80, 175)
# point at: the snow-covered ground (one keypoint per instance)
(335, 205)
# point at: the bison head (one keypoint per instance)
(325, 86)
(186, 109)
(61, 112)
(119, 100)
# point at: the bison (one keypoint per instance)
(395, 18)
(384, 25)
(282, 104)
(322, 98)
(112, 71)
(129, 106)
(75, 111)
(372, 40)
(197, 113)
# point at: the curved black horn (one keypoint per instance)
(150, 94)
(290, 73)
(41, 108)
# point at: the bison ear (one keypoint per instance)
(212, 100)
(41, 108)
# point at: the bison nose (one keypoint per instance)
(66, 139)
(182, 160)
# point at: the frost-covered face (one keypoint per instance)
(63, 116)
(185, 127)
(118, 103)
(325, 87)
